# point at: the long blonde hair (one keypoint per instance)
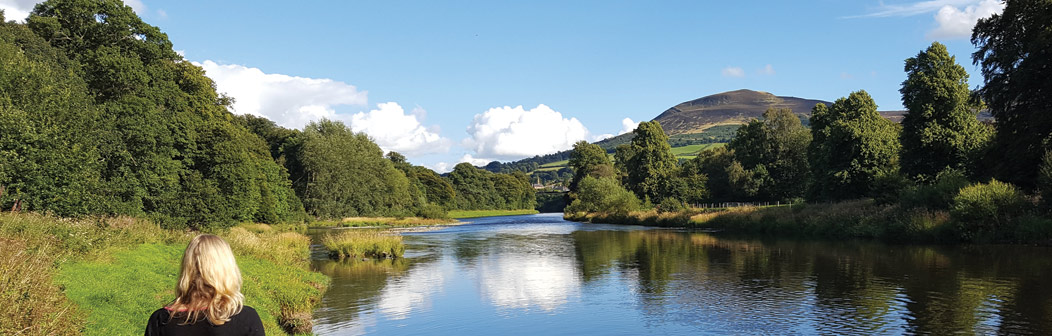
(209, 282)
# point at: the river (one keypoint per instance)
(542, 275)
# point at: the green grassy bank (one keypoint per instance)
(106, 276)
(864, 219)
(489, 213)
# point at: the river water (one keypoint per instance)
(541, 275)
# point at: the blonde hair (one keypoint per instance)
(209, 282)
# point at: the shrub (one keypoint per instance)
(432, 211)
(671, 205)
(603, 195)
(938, 195)
(986, 208)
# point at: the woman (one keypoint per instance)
(208, 297)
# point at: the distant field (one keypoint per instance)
(689, 152)
(556, 164)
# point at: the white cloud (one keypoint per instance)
(767, 70)
(627, 125)
(953, 18)
(602, 137)
(514, 132)
(394, 130)
(136, 5)
(287, 100)
(953, 22)
(445, 167)
(911, 9)
(733, 72)
(17, 10)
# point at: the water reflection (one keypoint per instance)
(536, 274)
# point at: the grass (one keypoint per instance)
(105, 276)
(863, 219)
(382, 222)
(363, 244)
(489, 213)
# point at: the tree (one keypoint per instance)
(773, 154)
(604, 195)
(1015, 57)
(589, 160)
(474, 188)
(437, 190)
(347, 175)
(852, 147)
(648, 162)
(940, 130)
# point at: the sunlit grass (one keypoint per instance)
(105, 276)
(363, 244)
(382, 222)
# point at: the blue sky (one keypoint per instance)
(444, 81)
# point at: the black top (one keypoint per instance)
(244, 323)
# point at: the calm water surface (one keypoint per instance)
(541, 275)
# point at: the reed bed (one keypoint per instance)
(363, 244)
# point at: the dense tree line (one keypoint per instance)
(478, 189)
(940, 157)
(100, 116)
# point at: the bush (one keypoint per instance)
(938, 195)
(603, 195)
(671, 205)
(981, 209)
(432, 211)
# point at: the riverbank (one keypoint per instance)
(105, 276)
(862, 219)
(489, 213)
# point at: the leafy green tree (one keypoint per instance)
(773, 154)
(347, 175)
(437, 190)
(48, 129)
(589, 160)
(1015, 57)
(648, 162)
(940, 129)
(852, 147)
(474, 188)
(603, 195)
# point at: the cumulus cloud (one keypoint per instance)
(627, 125)
(953, 22)
(733, 72)
(953, 18)
(394, 130)
(287, 100)
(767, 70)
(17, 10)
(514, 132)
(445, 167)
(911, 9)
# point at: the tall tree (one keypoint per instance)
(1015, 57)
(940, 129)
(347, 175)
(474, 188)
(774, 152)
(589, 160)
(852, 147)
(648, 162)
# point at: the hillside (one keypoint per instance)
(706, 120)
(733, 107)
